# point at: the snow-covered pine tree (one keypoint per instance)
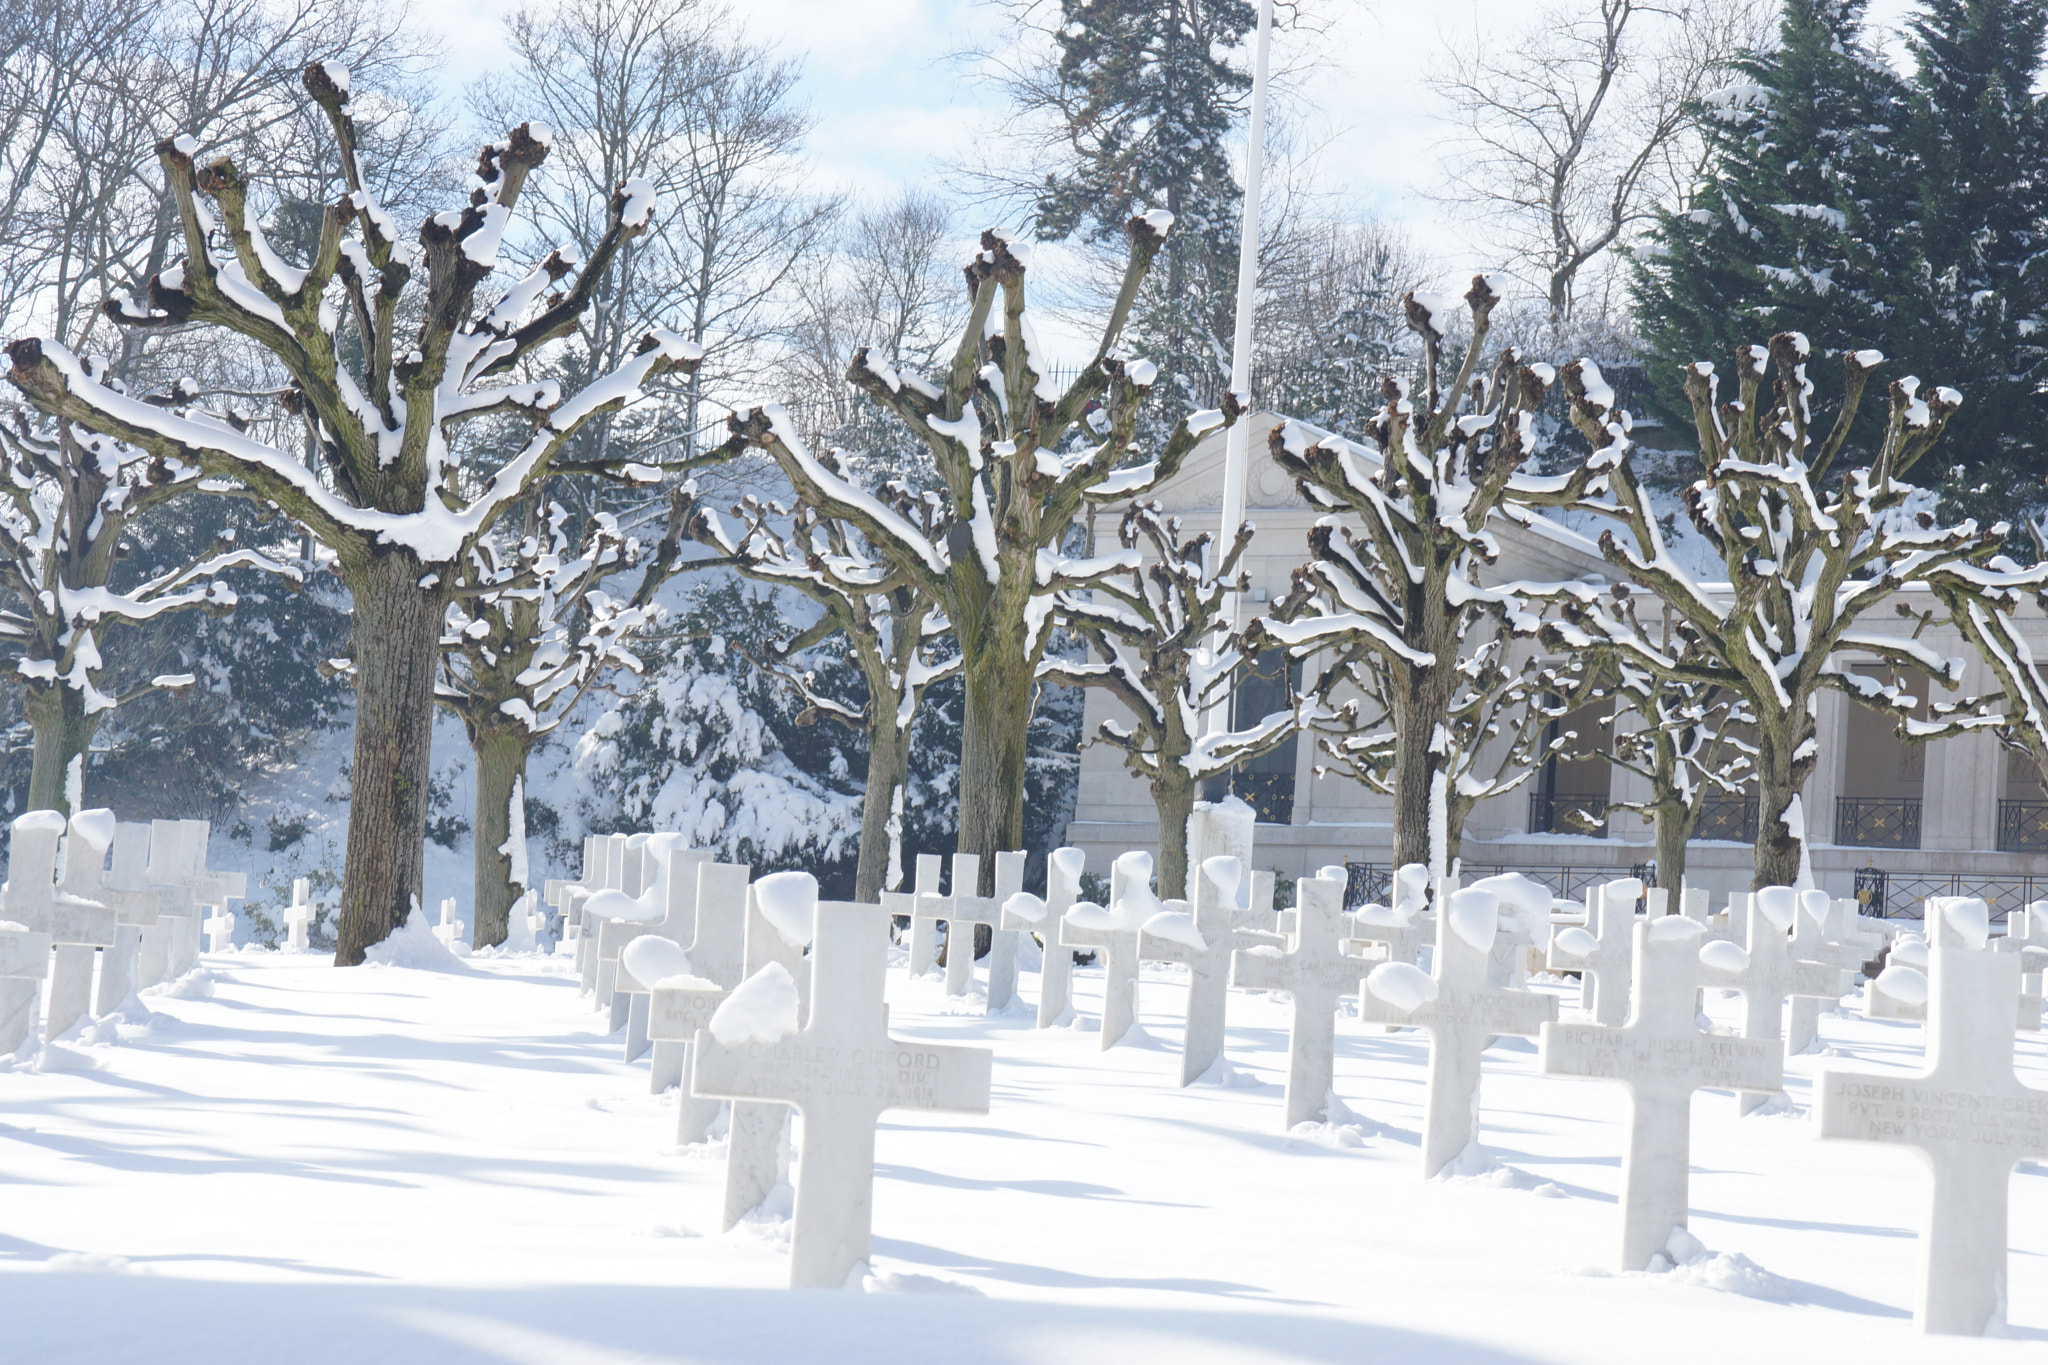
(1393, 590)
(1018, 460)
(67, 496)
(1795, 225)
(1976, 301)
(1165, 648)
(893, 633)
(529, 632)
(1810, 550)
(704, 744)
(390, 351)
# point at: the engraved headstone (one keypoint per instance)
(842, 1071)
(210, 890)
(1316, 971)
(718, 954)
(1602, 951)
(1203, 942)
(928, 907)
(24, 964)
(1967, 1114)
(1766, 973)
(1463, 1012)
(611, 849)
(1113, 934)
(669, 895)
(1661, 1057)
(1026, 913)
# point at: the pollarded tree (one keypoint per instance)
(390, 349)
(1500, 728)
(1808, 550)
(1165, 649)
(1395, 594)
(892, 631)
(1017, 460)
(529, 632)
(1687, 748)
(67, 497)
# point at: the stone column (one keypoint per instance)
(1959, 799)
(1831, 730)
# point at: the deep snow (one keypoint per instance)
(297, 1163)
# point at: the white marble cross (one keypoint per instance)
(1113, 933)
(842, 1071)
(668, 1016)
(172, 859)
(298, 917)
(1462, 1011)
(669, 886)
(1203, 942)
(756, 1151)
(725, 899)
(447, 927)
(24, 963)
(1661, 1057)
(611, 877)
(928, 907)
(1967, 1115)
(1766, 972)
(135, 903)
(1900, 991)
(1402, 934)
(1316, 971)
(80, 923)
(1026, 913)
(1813, 941)
(966, 909)
(1601, 952)
(28, 900)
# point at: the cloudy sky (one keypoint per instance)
(893, 105)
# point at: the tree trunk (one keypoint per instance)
(1779, 778)
(63, 734)
(1421, 704)
(500, 779)
(994, 736)
(888, 769)
(397, 648)
(1173, 796)
(1674, 832)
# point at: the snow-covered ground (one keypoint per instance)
(382, 1166)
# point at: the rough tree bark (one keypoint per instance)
(501, 754)
(397, 649)
(63, 732)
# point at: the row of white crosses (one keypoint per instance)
(137, 921)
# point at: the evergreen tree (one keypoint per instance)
(1795, 226)
(1145, 94)
(1977, 297)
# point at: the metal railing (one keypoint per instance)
(2023, 826)
(1727, 817)
(1894, 895)
(1877, 821)
(1370, 883)
(1568, 813)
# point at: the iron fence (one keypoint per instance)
(1877, 821)
(1895, 895)
(2023, 826)
(1727, 817)
(1370, 883)
(1567, 813)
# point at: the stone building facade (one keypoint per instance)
(1888, 820)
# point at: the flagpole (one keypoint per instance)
(1237, 441)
